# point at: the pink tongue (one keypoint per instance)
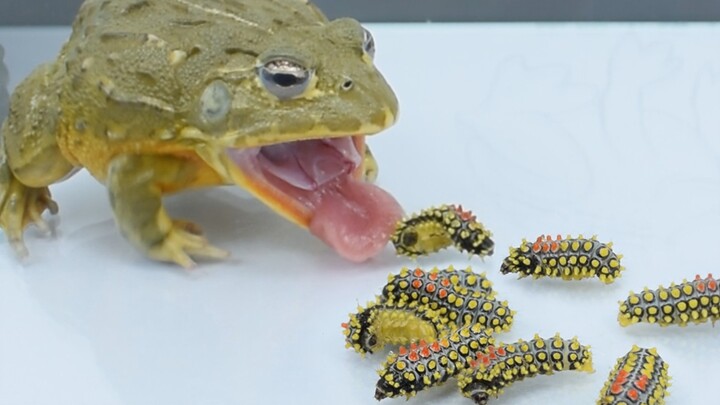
(355, 218)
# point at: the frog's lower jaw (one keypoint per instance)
(318, 184)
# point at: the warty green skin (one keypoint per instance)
(127, 98)
(131, 46)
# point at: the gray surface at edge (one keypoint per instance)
(3, 86)
(38, 12)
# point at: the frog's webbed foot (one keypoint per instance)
(136, 185)
(182, 242)
(20, 206)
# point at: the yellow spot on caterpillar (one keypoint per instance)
(437, 228)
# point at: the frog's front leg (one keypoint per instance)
(21, 205)
(30, 159)
(136, 185)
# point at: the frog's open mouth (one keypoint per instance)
(318, 185)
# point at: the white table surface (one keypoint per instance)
(595, 129)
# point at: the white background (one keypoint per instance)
(611, 130)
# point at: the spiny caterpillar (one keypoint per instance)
(437, 228)
(454, 298)
(377, 325)
(501, 365)
(639, 378)
(435, 281)
(691, 301)
(426, 365)
(418, 305)
(569, 259)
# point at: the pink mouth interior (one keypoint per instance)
(318, 179)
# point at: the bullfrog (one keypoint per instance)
(153, 97)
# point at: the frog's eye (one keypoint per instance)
(368, 43)
(284, 78)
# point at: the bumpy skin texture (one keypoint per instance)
(437, 228)
(429, 305)
(569, 259)
(696, 301)
(427, 365)
(638, 378)
(501, 365)
(150, 95)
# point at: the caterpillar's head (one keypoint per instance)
(398, 377)
(480, 397)
(383, 389)
(420, 236)
(359, 333)
(521, 260)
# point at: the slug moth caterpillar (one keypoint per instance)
(694, 301)
(639, 378)
(501, 365)
(416, 304)
(437, 228)
(569, 259)
(426, 365)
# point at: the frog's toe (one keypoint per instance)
(183, 242)
(21, 206)
(18, 246)
(14, 232)
(42, 201)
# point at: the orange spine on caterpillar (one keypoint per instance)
(416, 304)
(451, 298)
(465, 280)
(568, 258)
(456, 298)
(469, 235)
(499, 366)
(426, 365)
(437, 228)
(638, 378)
(695, 301)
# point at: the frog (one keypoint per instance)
(155, 97)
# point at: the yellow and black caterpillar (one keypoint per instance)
(456, 298)
(501, 365)
(437, 228)
(569, 259)
(639, 378)
(418, 305)
(426, 365)
(377, 325)
(694, 301)
(430, 284)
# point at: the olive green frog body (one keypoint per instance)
(157, 96)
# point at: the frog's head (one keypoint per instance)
(292, 110)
